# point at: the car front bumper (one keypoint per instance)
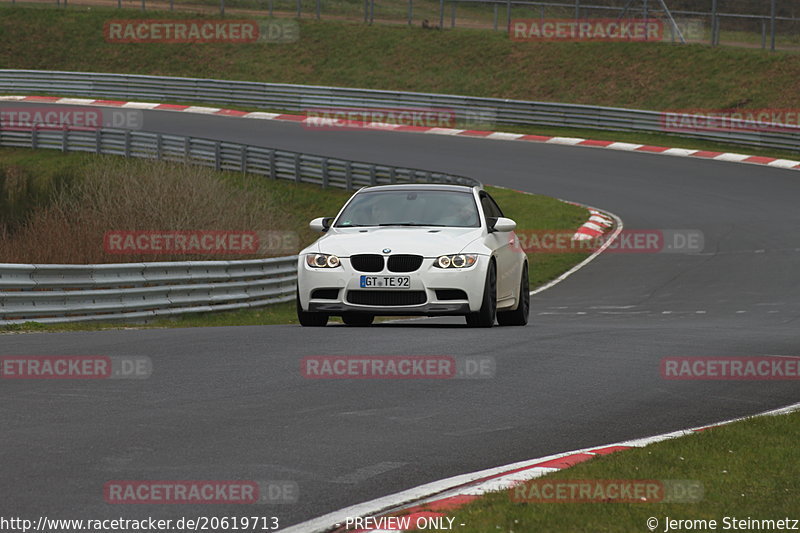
(427, 279)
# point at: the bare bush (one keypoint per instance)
(121, 195)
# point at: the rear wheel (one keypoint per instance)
(519, 316)
(308, 318)
(485, 317)
(357, 319)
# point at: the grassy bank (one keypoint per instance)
(57, 208)
(461, 61)
(748, 470)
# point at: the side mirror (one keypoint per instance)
(321, 224)
(501, 224)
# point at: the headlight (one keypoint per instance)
(322, 261)
(455, 261)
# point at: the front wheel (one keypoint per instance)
(484, 318)
(519, 316)
(309, 318)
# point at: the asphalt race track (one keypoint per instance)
(231, 403)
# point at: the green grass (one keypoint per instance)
(304, 202)
(461, 61)
(748, 469)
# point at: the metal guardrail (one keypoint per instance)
(276, 164)
(288, 97)
(71, 293)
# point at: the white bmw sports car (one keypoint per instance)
(415, 250)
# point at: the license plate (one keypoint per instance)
(385, 282)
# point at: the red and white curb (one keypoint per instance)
(313, 122)
(441, 497)
(597, 225)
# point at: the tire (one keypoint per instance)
(357, 319)
(519, 316)
(488, 312)
(308, 318)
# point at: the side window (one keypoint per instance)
(490, 208)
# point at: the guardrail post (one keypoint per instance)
(217, 156)
(127, 143)
(64, 138)
(392, 175)
(441, 14)
(453, 14)
(319, 9)
(763, 34)
(187, 149)
(324, 172)
(34, 137)
(772, 13)
(269, 4)
(373, 178)
(243, 160)
(299, 8)
(273, 172)
(98, 141)
(714, 22)
(297, 169)
(508, 15)
(222, 8)
(410, 12)
(158, 146)
(348, 176)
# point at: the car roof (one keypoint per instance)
(419, 187)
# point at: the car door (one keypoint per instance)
(501, 244)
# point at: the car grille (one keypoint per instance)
(367, 262)
(404, 263)
(386, 298)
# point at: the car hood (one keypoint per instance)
(428, 242)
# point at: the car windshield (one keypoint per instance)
(411, 208)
